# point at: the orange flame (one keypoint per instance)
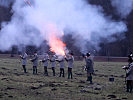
(57, 46)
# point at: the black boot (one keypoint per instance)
(24, 68)
(33, 70)
(63, 73)
(36, 70)
(128, 85)
(53, 71)
(69, 75)
(90, 79)
(45, 71)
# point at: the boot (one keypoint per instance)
(45, 71)
(130, 88)
(90, 79)
(63, 73)
(36, 70)
(53, 71)
(127, 86)
(33, 70)
(24, 69)
(69, 75)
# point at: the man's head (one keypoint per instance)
(88, 54)
(35, 52)
(71, 54)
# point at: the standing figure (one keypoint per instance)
(70, 60)
(129, 76)
(89, 67)
(62, 65)
(130, 56)
(35, 62)
(53, 63)
(24, 61)
(45, 63)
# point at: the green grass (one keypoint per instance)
(15, 85)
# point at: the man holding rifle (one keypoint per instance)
(89, 67)
(129, 75)
(24, 61)
(35, 62)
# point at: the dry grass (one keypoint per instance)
(15, 85)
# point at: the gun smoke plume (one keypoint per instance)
(123, 7)
(5, 3)
(30, 25)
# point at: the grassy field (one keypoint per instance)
(15, 85)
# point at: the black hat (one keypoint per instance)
(35, 51)
(88, 54)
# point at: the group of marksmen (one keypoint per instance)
(69, 58)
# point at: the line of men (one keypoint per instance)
(61, 59)
(53, 58)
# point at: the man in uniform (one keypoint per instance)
(129, 76)
(89, 67)
(35, 62)
(24, 61)
(45, 63)
(70, 60)
(53, 63)
(62, 65)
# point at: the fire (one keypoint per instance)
(57, 46)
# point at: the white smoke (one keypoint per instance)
(123, 7)
(32, 24)
(5, 3)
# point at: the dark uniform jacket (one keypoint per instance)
(89, 65)
(130, 72)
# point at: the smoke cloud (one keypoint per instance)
(6, 3)
(36, 21)
(123, 7)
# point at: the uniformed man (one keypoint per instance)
(24, 61)
(35, 62)
(62, 65)
(89, 67)
(129, 76)
(70, 60)
(45, 63)
(53, 63)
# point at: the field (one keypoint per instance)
(15, 85)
